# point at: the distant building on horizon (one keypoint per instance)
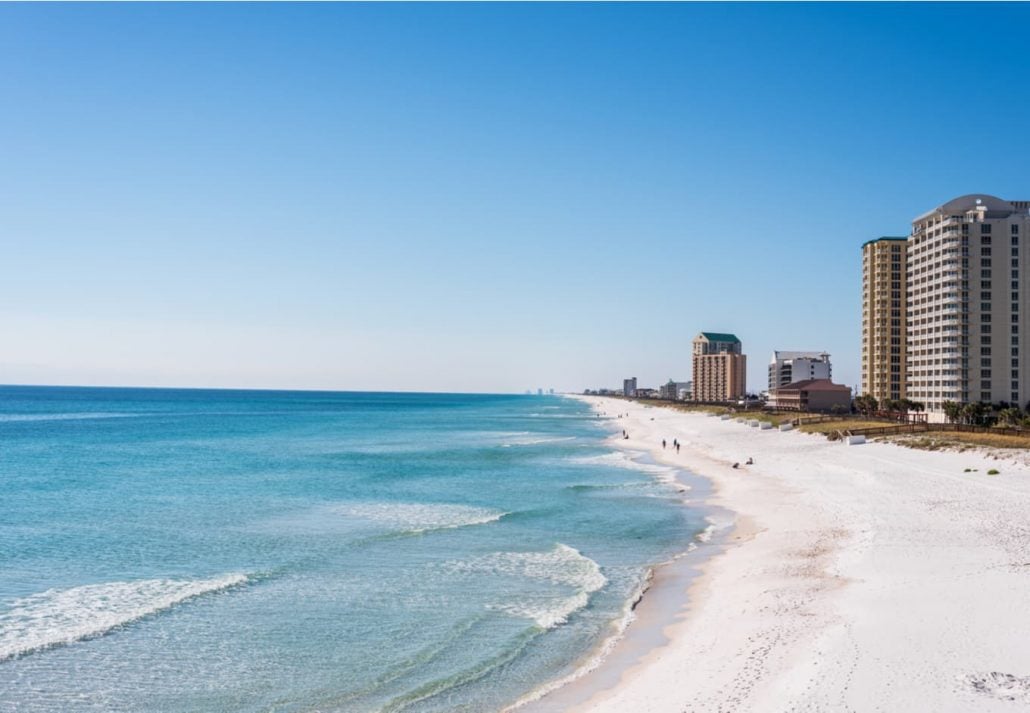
(684, 390)
(719, 367)
(884, 317)
(629, 387)
(787, 367)
(674, 390)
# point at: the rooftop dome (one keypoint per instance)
(955, 206)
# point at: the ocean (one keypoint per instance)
(210, 550)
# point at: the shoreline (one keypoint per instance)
(656, 605)
(869, 577)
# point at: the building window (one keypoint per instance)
(985, 229)
(985, 306)
(985, 373)
(985, 251)
(985, 384)
(985, 351)
(985, 274)
(985, 262)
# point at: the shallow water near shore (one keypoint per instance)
(184, 550)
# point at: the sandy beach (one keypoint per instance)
(854, 578)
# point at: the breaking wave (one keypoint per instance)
(27, 417)
(416, 518)
(563, 565)
(63, 616)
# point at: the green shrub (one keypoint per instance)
(993, 471)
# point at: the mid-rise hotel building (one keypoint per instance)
(969, 303)
(719, 367)
(788, 367)
(884, 266)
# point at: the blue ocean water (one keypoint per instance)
(195, 550)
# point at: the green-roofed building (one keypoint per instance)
(720, 367)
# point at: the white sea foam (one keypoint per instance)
(63, 616)
(621, 459)
(706, 534)
(547, 613)
(23, 417)
(535, 441)
(562, 565)
(617, 632)
(419, 517)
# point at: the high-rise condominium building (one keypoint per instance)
(969, 303)
(884, 266)
(629, 387)
(788, 367)
(719, 367)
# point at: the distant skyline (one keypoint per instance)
(474, 197)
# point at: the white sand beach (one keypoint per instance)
(856, 578)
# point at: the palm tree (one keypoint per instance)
(952, 411)
(1010, 416)
(866, 403)
(974, 413)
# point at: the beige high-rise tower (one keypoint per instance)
(719, 367)
(969, 303)
(884, 266)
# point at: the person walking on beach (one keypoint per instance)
(663, 444)
(677, 447)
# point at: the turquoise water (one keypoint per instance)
(190, 550)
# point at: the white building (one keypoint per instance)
(788, 367)
(969, 303)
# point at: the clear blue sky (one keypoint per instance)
(474, 197)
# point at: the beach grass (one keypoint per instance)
(825, 427)
(959, 441)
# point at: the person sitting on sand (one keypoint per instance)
(736, 465)
(750, 461)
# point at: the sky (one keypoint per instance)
(474, 197)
